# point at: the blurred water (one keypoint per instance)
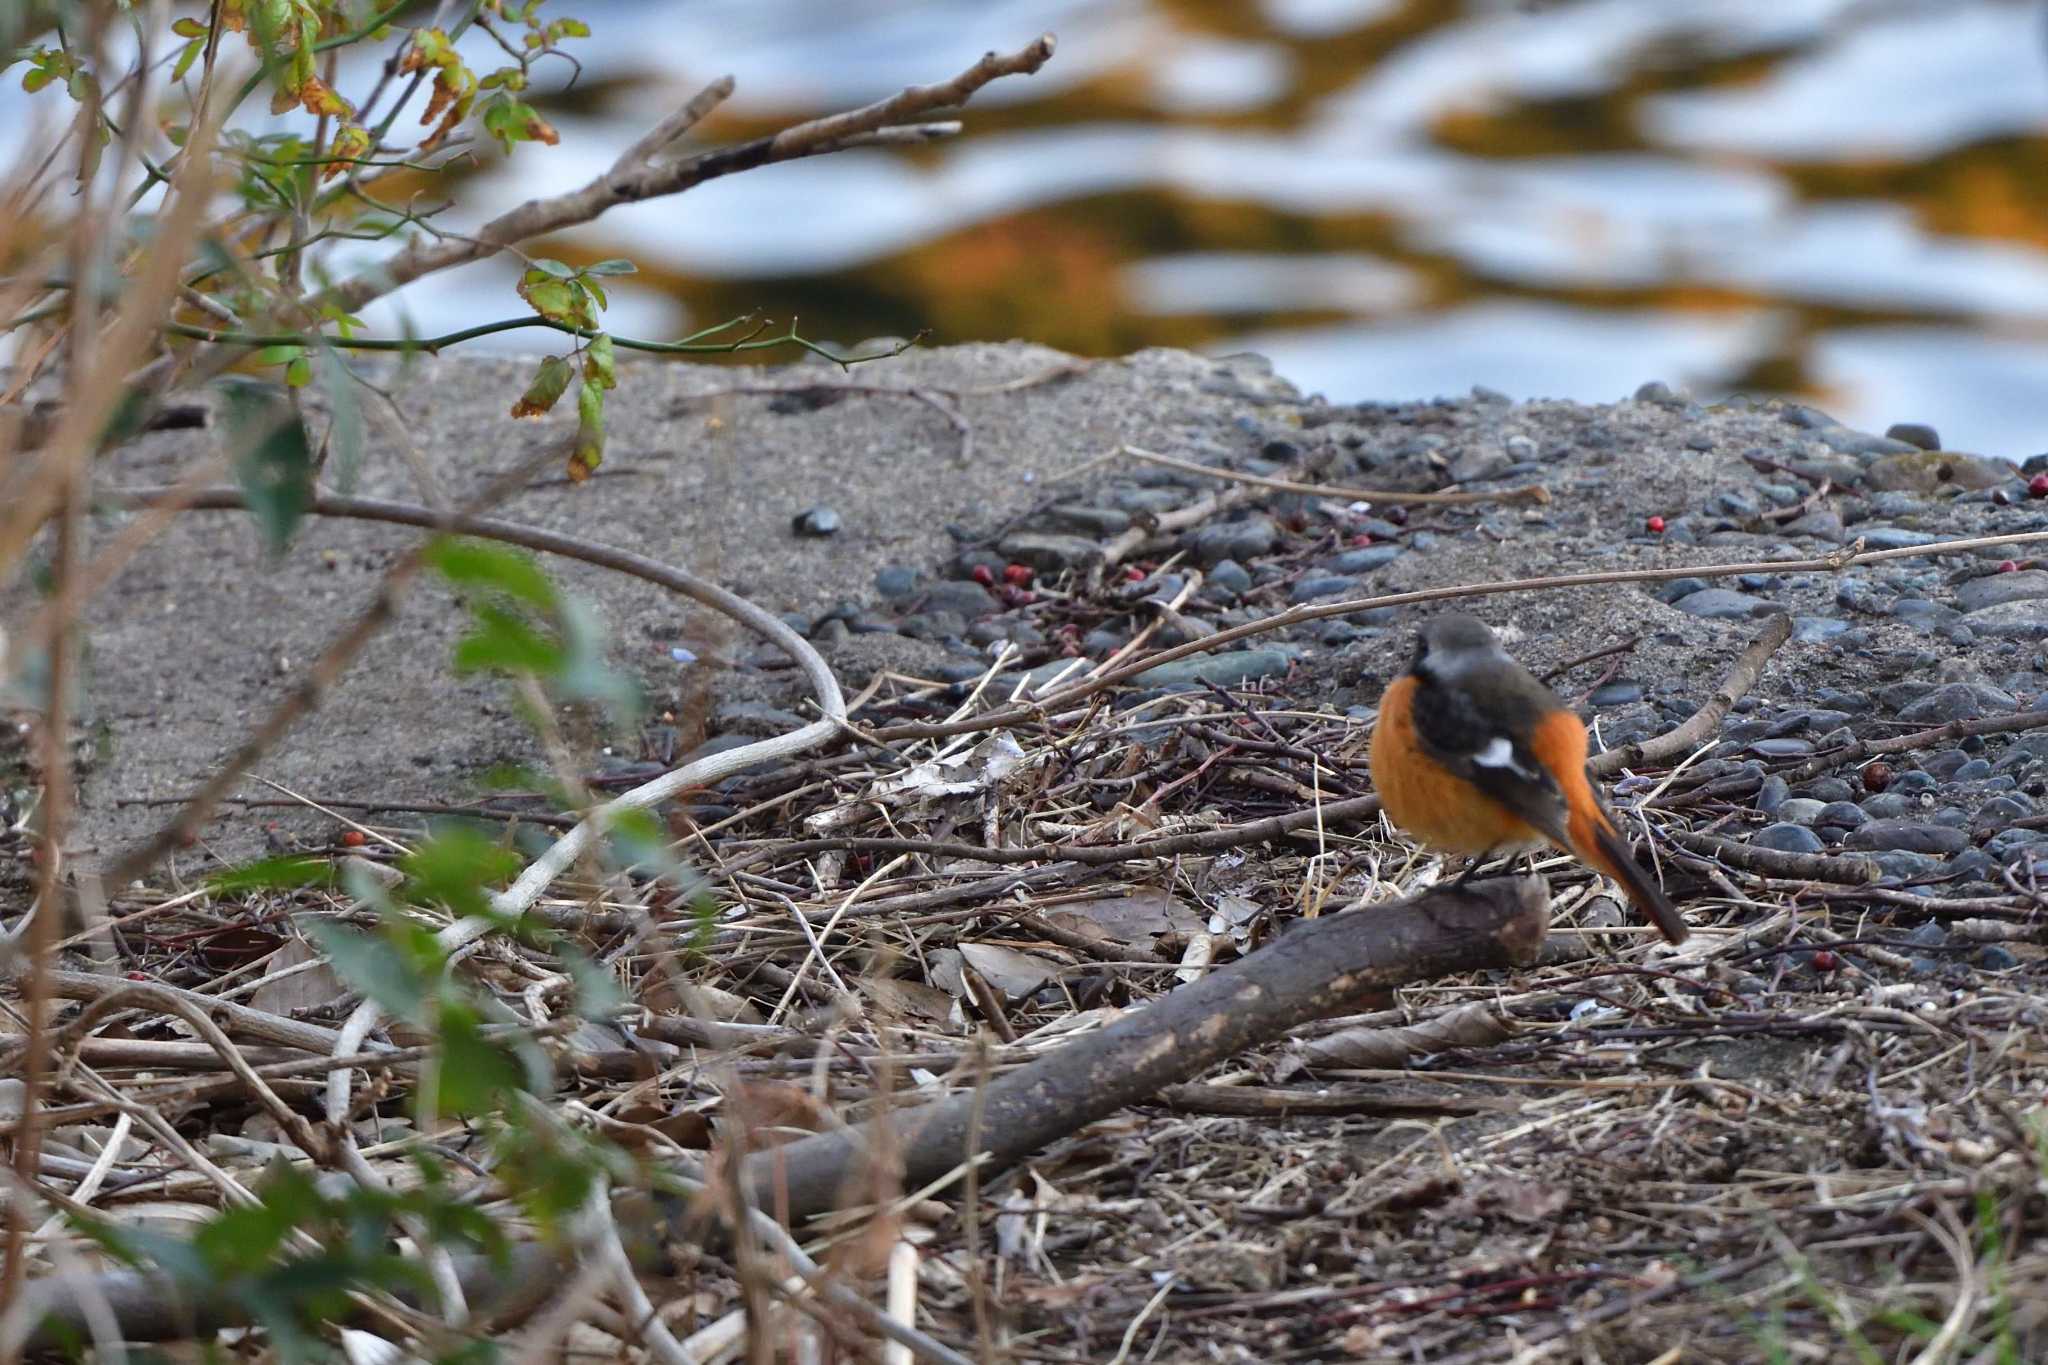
(1846, 199)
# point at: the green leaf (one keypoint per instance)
(550, 381)
(299, 373)
(589, 453)
(273, 460)
(483, 564)
(345, 425)
(557, 300)
(597, 991)
(617, 265)
(598, 363)
(505, 642)
(453, 869)
(189, 28)
(375, 966)
(185, 60)
(477, 1074)
(278, 355)
(547, 266)
(272, 874)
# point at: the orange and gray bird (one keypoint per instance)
(1472, 754)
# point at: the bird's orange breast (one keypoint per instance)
(1433, 805)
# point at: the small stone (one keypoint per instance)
(1681, 587)
(1801, 810)
(1321, 585)
(1721, 604)
(1909, 836)
(1996, 589)
(1995, 957)
(896, 582)
(816, 522)
(1928, 935)
(1364, 560)
(1958, 701)
(1894, 538)
(967, 600)
(1231, 576)
(1228, 669)
(1619, 693)
(1782, 748)
(1817, 630)
(1929, 471)
(1730, 503)
(1246, 538)
(1050, 552)
(1658, 392)
(1914, 434)
(1105, 521)
(1773, 794)
(1841, 815)
(1788, 838)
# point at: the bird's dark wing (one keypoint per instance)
(1486, 743)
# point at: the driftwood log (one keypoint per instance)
(1318, 968)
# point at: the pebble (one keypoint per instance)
(2012, 621)
(1658, 392)
(1722, 604)
(896, 582)
(816, 522)
(1828, 789)
(1773, 794)
(1228, 669)
(1099, 520)
(1902, 867)
(1909, 836)
(1894, 537)
(1823, 523)
(1818, 630)
(1958, 701)
(1230, 576)
(1914, 434)
(1364, 559)
(1995, 957)
(1786, 837)
(1681, 587)
(1999, 588)
(1321, 585)
(1051, 552)
(969, 600)
(1782, 748)
(1618, 693)
(1803, 810)
(1928, 471)
(1247, 538)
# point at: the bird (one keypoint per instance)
(1472, 754)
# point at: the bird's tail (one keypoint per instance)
(1596, 841)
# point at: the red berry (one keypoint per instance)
(352, 838)
(2008, 566)
(2037, 486)
(983, 575)
(1018, 574)
(1363, 538)
(1826, 961)
(1656, 525)
(1134, 574)
(1877, 776)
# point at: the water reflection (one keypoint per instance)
(1393, 198)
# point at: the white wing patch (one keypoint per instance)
(1499, 753)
